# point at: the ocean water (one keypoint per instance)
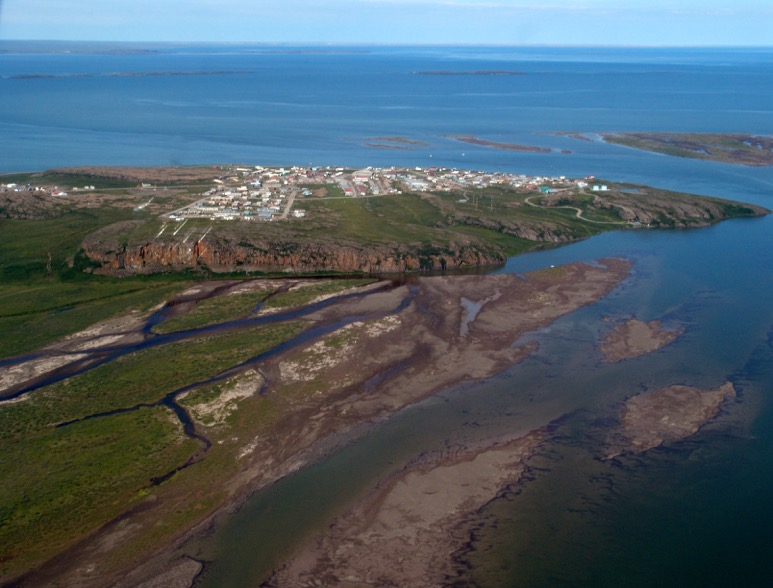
(693, 513)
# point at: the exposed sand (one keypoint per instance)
(666, 414)
(361, 373)
(406, 531)
(497, 145)
(634, 338)
(121, 330)
(369, 369)
(216, 411)
(13, 375)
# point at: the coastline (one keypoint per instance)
(406, 531)
(417, 356)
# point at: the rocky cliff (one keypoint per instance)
(222, 255)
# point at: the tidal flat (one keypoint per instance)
(239, 405)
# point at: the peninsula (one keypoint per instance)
(251, 219)
(735, 148)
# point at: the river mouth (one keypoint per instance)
(574, 518)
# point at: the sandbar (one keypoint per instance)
(406, 531)
(497, 145)
(634, 338)
(667, 414)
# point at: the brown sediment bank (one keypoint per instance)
(407, 530)
(396, 147)
(634, 338)
(496, 145)
(404, 140)
(666, 414)
(406, 344)
(396, 142)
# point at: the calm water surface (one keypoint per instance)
(694, 513)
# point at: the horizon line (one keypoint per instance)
(391, 44)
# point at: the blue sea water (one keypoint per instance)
(695, 513)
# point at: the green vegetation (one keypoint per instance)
(59, 484)
(26, 244)
(46, 294)
(39, 312)
(306, 293)
(509, 244)
(243, 304)
(727, 148)
(142, 377)
(214, 310)
(331, 190)
(65, 181)
(62, 482)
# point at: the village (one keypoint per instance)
(269, 194)
(258, 193)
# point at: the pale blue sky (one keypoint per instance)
(563, 22)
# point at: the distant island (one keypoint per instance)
(481, 72)
(128, 74)
(399, 143)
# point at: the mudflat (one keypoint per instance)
(376, 353)
(634, 338)
(406, 531)
(666, 414)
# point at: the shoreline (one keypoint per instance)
(430, 356)
(407, 529)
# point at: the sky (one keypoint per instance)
(508, 22)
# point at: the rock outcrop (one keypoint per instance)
(222, 255)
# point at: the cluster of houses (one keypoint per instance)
(443, 179)
(266, 194)
(29, 187)
(245, 193)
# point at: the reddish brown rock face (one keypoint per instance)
(225, 256)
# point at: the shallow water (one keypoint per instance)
(578, 520)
